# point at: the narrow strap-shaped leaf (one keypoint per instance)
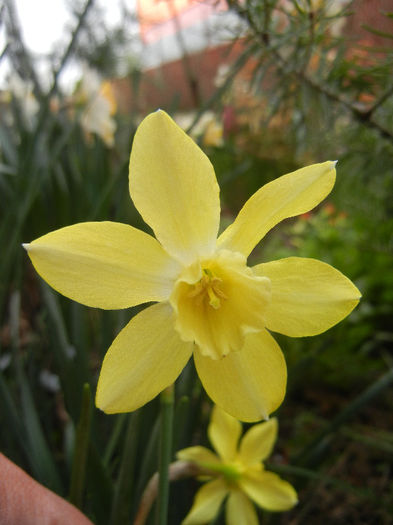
(124, 486)
(113, 441)
(39, 455)
(316, 448)
(166, 443)
(81, 447)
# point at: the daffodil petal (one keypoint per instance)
(200, 455)
(224, 432)
(173, 185)
(104, 264)
(287, 196)
(269, 491)
(207, 503)
(248, 384)
(240, 510)
(146, 357)
(257, 443)
(308, 296)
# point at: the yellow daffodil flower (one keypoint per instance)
(209, 302)
(237, 472)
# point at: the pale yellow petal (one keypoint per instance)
(287, 196)
(207, 503)
(240, 510)
(308, 296)
(146, 357)
(173, 186)
(269, 491)
(224, 432)
(248, 384)
(104, 264)
(258, 442)
(202, 456)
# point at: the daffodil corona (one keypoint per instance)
(210, 304)
(217, 300)
(237, 473)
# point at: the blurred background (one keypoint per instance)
(264, 87)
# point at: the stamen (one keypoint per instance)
(208, 285)
(214, 301)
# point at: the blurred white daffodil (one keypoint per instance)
(22, 91)
(99, 107)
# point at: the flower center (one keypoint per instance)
(231, 472)
(218, 300)
(208, 287)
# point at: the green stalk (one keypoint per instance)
(166, 439)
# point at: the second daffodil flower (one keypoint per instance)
(237, 472)
(210, 304)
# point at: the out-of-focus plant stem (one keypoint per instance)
(124, 486)
(177, 470)
(81, 448)
(166, 439)
(16, 49)
(71, 45)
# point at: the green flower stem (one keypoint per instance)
(177, 470)
(166, 439)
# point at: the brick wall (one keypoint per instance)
(184, 84)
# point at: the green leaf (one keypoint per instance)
(123, 491)
(81, 446)
(314, 451)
